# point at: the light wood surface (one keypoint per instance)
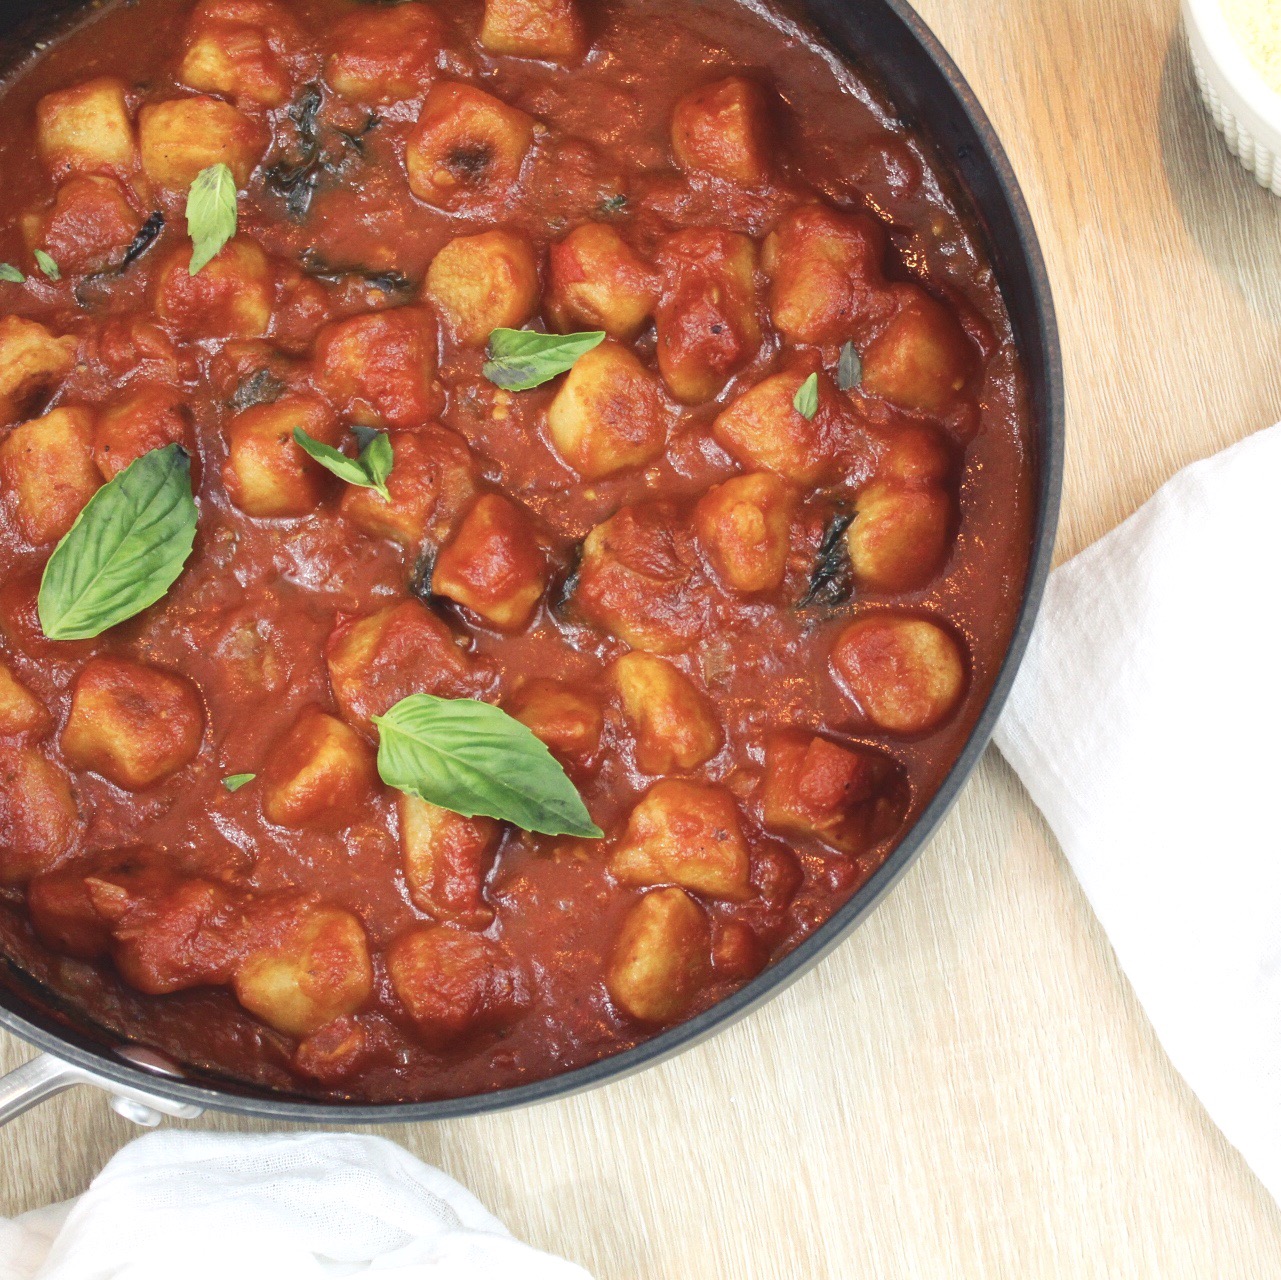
(967, 1088)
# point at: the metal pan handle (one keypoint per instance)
(44, 1076)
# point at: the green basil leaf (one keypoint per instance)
(235, 781)
(125, 550)
(805, 401)
(474, 759)
(47, 265)
(370, 470)
(211, 214)
(849, 368)
(520, 358)
(11, 273)
(377, 458)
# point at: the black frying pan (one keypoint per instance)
(887, 39)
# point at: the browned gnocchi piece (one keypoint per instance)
(230, 297)
(607, 415)
(493, 564)
(379, 369)
(168, 933)
(21, 712)
(133, 724)
(266, 473)
(468, 148)
(688, 834)
(384, 55)
(568, 722)
(900, 534)
(47, 466)
(763, 428)
(905, 674)
(87, 129)
(453, 983)
(484, 282)
(675, 725)
(447, 858)
(744, 527)
(596, 280)
(915, 455)
(90, 224)
(921, 361)
(333, 1053)
(38, 817)
(432, 479)
(846, 797)
(146, 418)
(63, 915)
(31, 360)
(320, 774)
(737, 950)
(236, 48)
(551, 30)
(708, 327)
(317, 968)
(182, 136)
(639, 577)
(377, 660)
(661, 958)
(724, 129)
(826, 277)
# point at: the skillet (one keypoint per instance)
(892, 46)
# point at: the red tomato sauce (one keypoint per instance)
(278, 934)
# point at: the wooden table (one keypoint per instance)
(967, 1088)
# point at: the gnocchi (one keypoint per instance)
(661, 957)
(905, 674)
(688, 834)
(133, 724)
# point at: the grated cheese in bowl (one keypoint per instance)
(1256, 27)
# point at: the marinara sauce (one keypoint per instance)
(748, 568)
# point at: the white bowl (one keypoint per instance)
(1246, 109)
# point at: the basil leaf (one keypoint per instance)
(849, 368)
(125, 550)
(11, 273)
(211, 214)
(474, 759)
(235, 781)
(370, 470)
(805, 401)
(47, 265)
(520, 358)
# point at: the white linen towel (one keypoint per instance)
(1146, 725)
(299, 1206)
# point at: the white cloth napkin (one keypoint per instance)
(1146, 725)
(304, 1206)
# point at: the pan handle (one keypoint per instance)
(44, 1076)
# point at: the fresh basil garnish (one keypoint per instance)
(235, 781)
(47, 265)
(369, 470)
(11, 273)
(805, 401)
(471, 758)
(520, 358)
(849, 368)
(125, 550)
(832, 579)
(211, 214)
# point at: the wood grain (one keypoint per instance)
(967, 1088)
